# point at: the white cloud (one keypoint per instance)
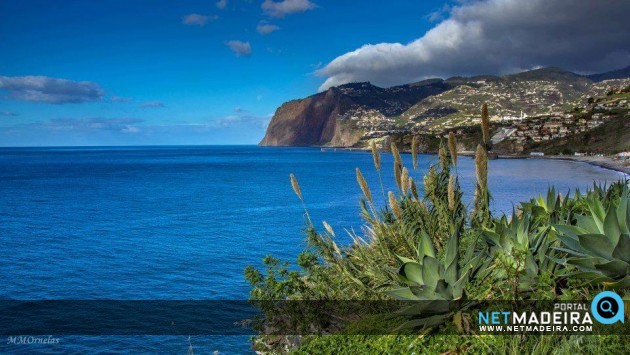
(496, 37)
(221, 4)
(152, 104)
(265, 28)
(198, 20)
(50, 90)
(286, 7)
(240, 48)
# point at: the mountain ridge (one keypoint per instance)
(347, 114)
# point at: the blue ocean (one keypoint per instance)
(181, 223)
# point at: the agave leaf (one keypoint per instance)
(611, 225)
(411, 271)
(425, 246)
(458, 287)
(623, 214)
(531, 266)
(597, 244)
(592, 277)
(614, 269)
(430, 271)
(451, 253)
(451, 260)
(403, 293)
(491, 236)
(538, 210)
(425, 293)
(622, 250)
(405, 260)
(569, 251)
(443, 290)
(598, 213)
(586, 263)
(621, 284)
(569, 231)
(587, 223)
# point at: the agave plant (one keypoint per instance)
(522, 250)
(599, 244)
(434, 281)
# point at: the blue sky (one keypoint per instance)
(201, 72)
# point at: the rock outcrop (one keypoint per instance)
(326, 118)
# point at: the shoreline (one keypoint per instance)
(602, 162)
(605, 162)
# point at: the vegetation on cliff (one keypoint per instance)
(426, 245)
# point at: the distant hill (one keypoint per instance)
(615, 74)
(353, 113)
(326, 118)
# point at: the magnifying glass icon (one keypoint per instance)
(606, 306)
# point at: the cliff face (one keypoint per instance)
(352, 114)
(326, 118)
(310, 121)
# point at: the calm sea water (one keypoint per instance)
(181, 223)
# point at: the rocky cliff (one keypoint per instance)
(351, 114)
(330, 117)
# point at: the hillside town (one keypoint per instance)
(558, 125)
(521, 117)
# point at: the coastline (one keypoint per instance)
(602, 162)
(605, 162)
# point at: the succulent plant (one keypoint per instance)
(599, 244)
(522, 249)
(434, 281)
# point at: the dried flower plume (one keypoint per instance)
(296, 186)
(364, 186)
(393, 204)
(376, 156)
(414, 151)
(404, 180)
(452, 146)
(397, 165)
(328, 228)
(481, 166)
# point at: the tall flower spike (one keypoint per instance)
(404, 180)
(296, 186)
(444, 161)
(481, 166)
(452, 146)
(414, 189)
(414, 151)
(364, 186)
(376, 156)
(393, 203)
(397, 165)
(328, 228)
